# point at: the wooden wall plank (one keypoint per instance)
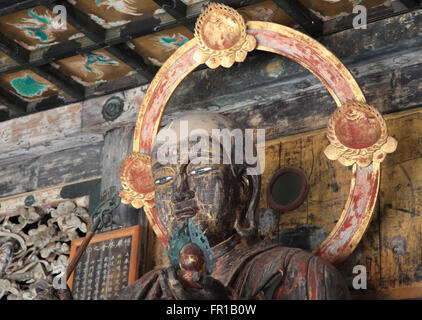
(69, 165)
(19, 177)
(401, 206)
(59, 168)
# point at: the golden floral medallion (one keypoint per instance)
(222, 38)
(358, 134)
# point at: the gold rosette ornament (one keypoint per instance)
(358, 134)
(222, 38)
(136, 177)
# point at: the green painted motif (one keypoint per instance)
(38, 26)
(28, 86)
(93, 59)
(174, 41)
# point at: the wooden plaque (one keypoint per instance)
(110, 263)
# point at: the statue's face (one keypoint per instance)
(210, 194)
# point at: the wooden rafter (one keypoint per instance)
(411, 4)
(302, 15)
(178, 10)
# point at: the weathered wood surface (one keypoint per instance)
(53, 169)
(42, 133)
(117, 146)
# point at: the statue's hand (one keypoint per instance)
(208, 288)
(46, 291)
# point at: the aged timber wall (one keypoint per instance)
(66, 145)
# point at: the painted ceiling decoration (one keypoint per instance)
(158, 47)
(114, 13)
(28, 85)
(34, 28)
(93, 67)
(111, 45)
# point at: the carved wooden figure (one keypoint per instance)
(221, 200)
(206, 211)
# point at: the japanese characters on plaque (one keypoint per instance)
(110, 263)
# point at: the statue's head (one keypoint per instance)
(202, 178)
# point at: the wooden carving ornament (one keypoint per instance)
(357, 132)
(222, 38)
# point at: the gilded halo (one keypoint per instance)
(358, 134)
(222, 38)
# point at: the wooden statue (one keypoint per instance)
(221, 200)
(206, 213)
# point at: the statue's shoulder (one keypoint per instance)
(138, 289)
(289, 273)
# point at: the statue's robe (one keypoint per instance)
(264, 270)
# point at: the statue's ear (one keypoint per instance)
(252, 186)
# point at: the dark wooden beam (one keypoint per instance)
(373, 15)
(14, 50)
(143, 27)
(48, 103)
(410, 4)
(175, 8)
(237, 3)
(114, 86)
(178, 10)
(302, 15)
(47, 170)
(16, 106)
(4, 115)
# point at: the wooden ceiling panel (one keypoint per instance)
(34, 28)
(114, 13)
(93, 68)
(28, 86)
(158, 47)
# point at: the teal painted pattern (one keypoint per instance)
(28, 86)
(92, 59)
(174, 41)
(189, 233)
(38, 26)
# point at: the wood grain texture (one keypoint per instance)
(53, 169)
